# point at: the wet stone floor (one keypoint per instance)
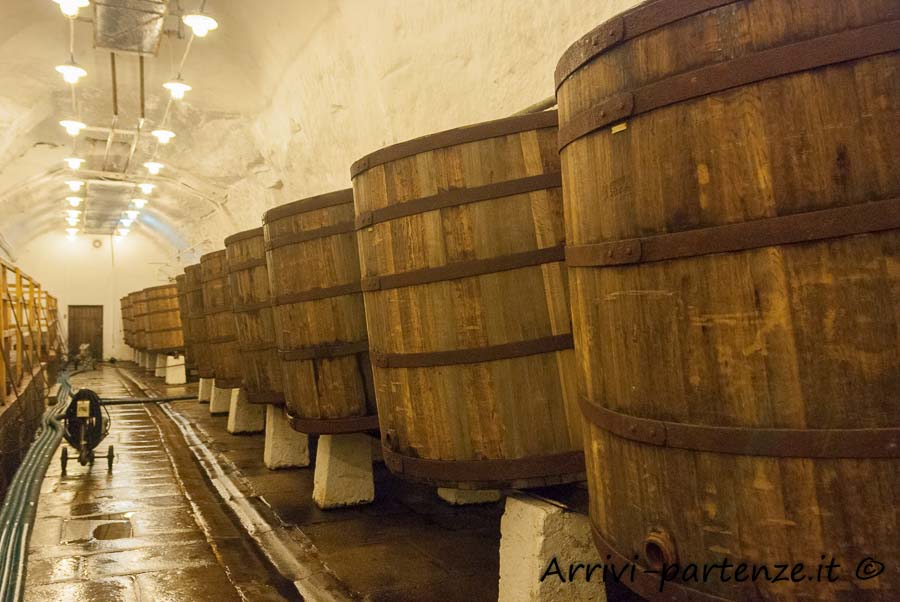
(152, 529)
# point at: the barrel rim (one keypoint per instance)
(209, 256)
(245, 234)
(632, 23)
(156, 288)
(320, 201)
(456, 136)
(192, 267)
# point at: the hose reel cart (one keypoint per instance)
(86, 424)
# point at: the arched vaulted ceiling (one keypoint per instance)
(232, 71)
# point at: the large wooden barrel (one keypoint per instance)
(141, 320)
(189, 353)
(732, 210)
(127, 326)
(221, 336)
(193, 282)
(252, 308)
(461, 245)
(163, 320)
(320, 323)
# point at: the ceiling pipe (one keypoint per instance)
(115, 109)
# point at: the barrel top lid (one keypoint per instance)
(322, 201)
(191, 268)
(212, 255)
(239, 236)
(641, 19)
(462, 135)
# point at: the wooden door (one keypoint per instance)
(86, 326)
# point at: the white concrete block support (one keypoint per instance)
(540, 540)
(204, 389)
(160, 367)
(343, 474)
(465, 497)
(285, 447)
(175, 370)
(219, 400)
(243, 416)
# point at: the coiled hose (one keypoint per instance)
(20, 503)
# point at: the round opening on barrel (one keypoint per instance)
(659, 550)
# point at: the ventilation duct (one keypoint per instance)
(133, 26)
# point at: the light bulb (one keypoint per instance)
(73, 212)
(123, 232)
(132, 214)
(72, 232)
(74, 185)
(200, 24)
(74, 201)
(153, 167)
(126, 222)
(146, 188)
(72, 221)
(70, 7)
(73, 162)
(139, 203)
(163, 135)
(71, 72)
(73, 127)
(177, 88)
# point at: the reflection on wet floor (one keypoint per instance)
(134, 534)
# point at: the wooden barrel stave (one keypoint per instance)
(460, 201)
(254, 321)
(320, 328)
(741, 328)
(127, 323)
(184, 315)
(141, 326)
(220, 329)
(193, 278)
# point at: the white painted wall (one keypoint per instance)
(79, 274)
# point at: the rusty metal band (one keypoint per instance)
(240, 308)
(748, 441)
(261, 346)
(264, 397)
(322, 201)
(465, 269)
(827, 50)
(647, 584)
(455, 198)
(472, 133)
(326, 351)
(227, 383)
(298, 237)
(161, 311)
(222, 339)
(487, 471)
(246, 234)
(333, 426)
(212, 311)
(627, 26)
(167, 350)
(246, 265)
(316, 294)
(217, 276)
(767, 232)
(473, 355)
(159, 330)
(199, 289)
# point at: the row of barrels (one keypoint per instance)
(151, 320)
(682, 286)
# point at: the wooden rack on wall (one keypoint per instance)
(29, 323)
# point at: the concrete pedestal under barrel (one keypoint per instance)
(461, 245)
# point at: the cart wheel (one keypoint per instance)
(64, 459)
(109, 458)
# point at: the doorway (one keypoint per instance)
(86, 326)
